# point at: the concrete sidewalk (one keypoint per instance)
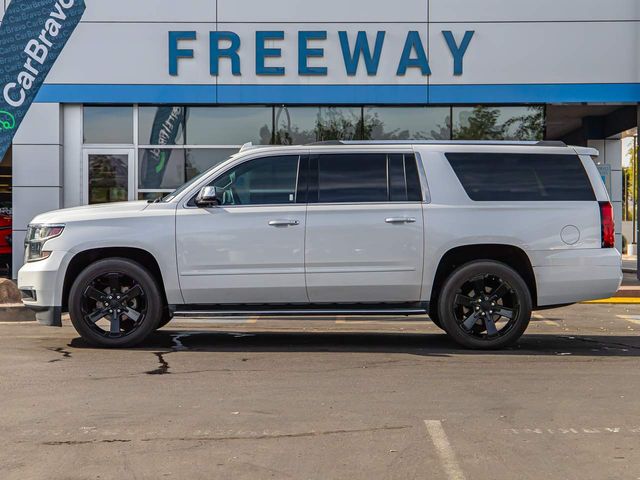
(629, 263)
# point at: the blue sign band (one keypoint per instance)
(342, 94)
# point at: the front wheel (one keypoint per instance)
(485, 305)
(115, 303)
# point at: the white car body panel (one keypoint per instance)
(339, 253)
(354, 255)
(231, 254)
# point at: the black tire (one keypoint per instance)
(165, 319)
(485, 305)
(434, 316)
(94, 292)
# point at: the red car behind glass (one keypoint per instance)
(5, 244)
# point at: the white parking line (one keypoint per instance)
(630, 318)
(445, 452)
(542, 319)
(551, 323)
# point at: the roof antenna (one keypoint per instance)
(246, 146)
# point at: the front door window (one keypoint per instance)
(265, 181)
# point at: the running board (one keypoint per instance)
(298, 312)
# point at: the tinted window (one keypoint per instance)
(265, 181)
(414, 192)
(404, 181)
(348, 178)
(397, 181)
(521, 177)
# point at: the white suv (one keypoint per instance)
(476, 235)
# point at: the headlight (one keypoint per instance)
(37, 235)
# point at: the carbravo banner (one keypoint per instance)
(167, 125)
(32, 35)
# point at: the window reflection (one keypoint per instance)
(161, 125)
(498, 123)
(161, 168)
(300, 125)
(202, 159)
(407, 123)
(107, 125)
(108, 178)
(229, 125)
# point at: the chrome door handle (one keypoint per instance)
(400, 220)
(283, 223)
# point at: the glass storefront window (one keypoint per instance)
(108, 125)
(407, 123)
(161, 168)
(300, 125)
(150, 195)
(229, 125)
(108, 178)
(498, 123)
(162, 125)
(202, 159)
(177, 143)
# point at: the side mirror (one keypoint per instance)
(208, 197)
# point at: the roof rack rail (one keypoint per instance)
(326, 142)
(540, 143)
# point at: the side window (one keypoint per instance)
(521, 176)
(352, 178)
(361, 178)
(264, 181)
(404, 180)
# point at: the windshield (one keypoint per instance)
(186, 186)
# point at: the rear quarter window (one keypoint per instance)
(521, 176)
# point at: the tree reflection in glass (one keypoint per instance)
(498, 123)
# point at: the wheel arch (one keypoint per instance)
(511, 255)
(83, 259)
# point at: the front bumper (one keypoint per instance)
(49, 316)
(41, 284)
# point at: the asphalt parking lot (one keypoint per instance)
(337, 398)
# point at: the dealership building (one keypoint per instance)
(147, 94)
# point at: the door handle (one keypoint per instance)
(400, 220)
(283, 223)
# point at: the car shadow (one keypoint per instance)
(422, 344)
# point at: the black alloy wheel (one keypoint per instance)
(115, 303)
(485, 305)
(116, 298)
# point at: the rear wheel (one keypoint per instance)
(434, 316)
(485, 305)
(115, 303)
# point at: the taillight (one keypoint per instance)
(607, 225)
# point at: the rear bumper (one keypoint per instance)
(572, 276)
